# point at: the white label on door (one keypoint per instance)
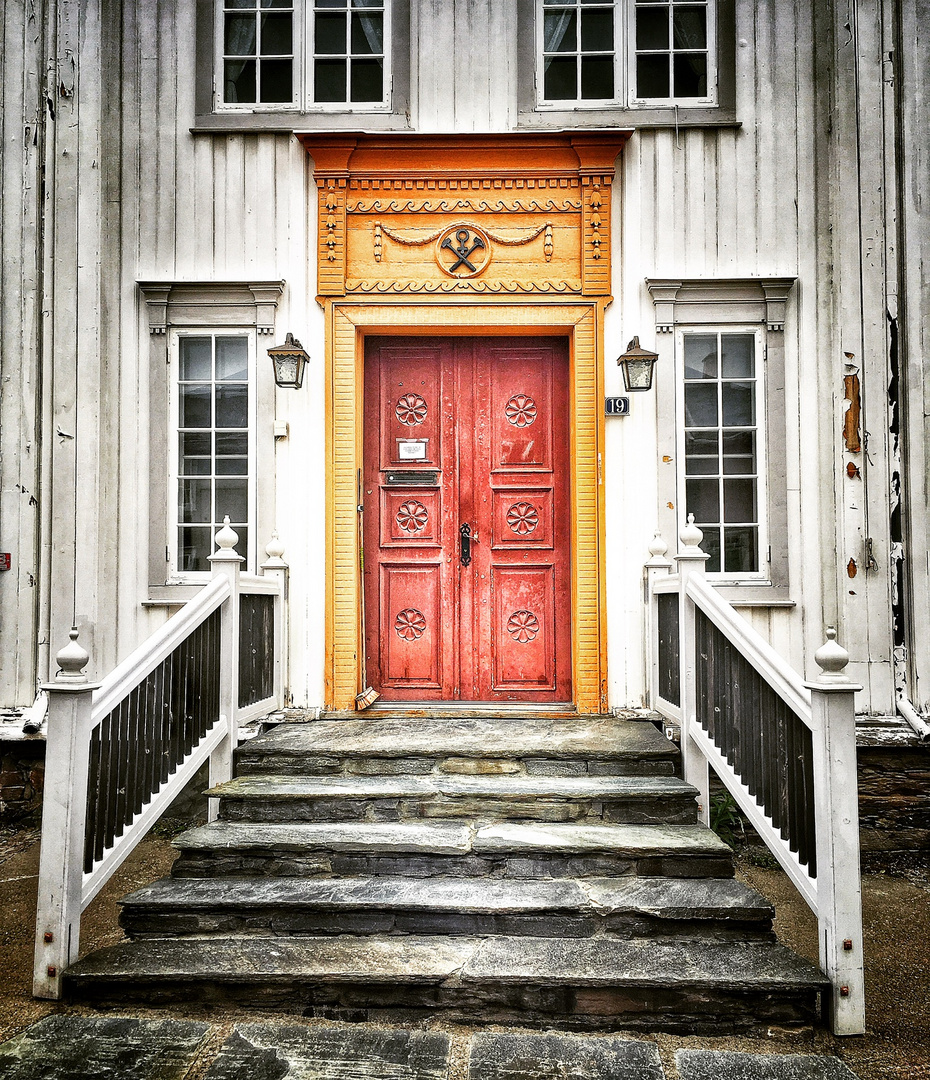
(411, 449)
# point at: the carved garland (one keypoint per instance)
(499, 238)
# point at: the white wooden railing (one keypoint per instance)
(120, 751)
(785, 749)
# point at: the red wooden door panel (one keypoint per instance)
(467, 432)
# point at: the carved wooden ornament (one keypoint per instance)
(508, 214)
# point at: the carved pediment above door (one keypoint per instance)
(524, 214)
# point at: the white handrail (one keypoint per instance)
(826, 707)
(77, 707)
(779, 675)
(138, 665)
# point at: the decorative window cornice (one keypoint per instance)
(211, 303)
(691, 301)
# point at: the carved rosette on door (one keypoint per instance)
(467, 558)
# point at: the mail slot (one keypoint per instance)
(419, 477)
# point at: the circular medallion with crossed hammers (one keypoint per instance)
(463, 251)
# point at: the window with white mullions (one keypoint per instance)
(672, 50)
(258, 52)
(214, 404)
(579, 51)
(348, 51)
(723, 449)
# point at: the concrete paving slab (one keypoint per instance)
(562, 1057)
(95, 1048)
(276, 1052)
(725, 1065)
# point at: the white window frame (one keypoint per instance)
(579, 103)
(303, 73)
(684, 103)
(175, 575)
(762, 576)
(625, 66)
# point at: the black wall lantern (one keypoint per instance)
(289, 362)
(637, 365)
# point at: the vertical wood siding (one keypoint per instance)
(23, 117)
(134, 195)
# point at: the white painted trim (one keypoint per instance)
(260, 708)
(254, 585)
(124, 844)
(668, 584)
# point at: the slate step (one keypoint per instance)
(572, 983)
(689, 909)
(541, 746)
(601, 799)
(455, 848)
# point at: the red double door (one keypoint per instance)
(467, 519)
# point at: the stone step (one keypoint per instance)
(454, 848)
(603, 799)
(573, 983)
(688, 909)
(390, 746)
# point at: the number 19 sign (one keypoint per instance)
(617, 406)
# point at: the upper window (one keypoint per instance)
(627, 52)
(331, 53)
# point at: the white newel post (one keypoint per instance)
(690, 561)
(836, 795)
(226, 561)
(657, 566)
(276, 568)
(64, 810)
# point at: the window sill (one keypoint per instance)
(172, 595)
(623, 116)
(287, 121)
(754, 596)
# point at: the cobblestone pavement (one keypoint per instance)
(213, 1044)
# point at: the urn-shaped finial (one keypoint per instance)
(226, 538)
(71, 661)
(831, 658)
(691, 536)
(658, 548)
